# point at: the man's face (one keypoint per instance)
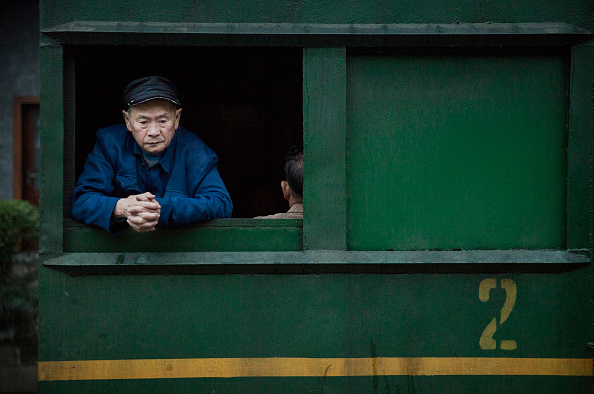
(153, 124)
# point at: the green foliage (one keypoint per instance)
(19, 286)
(19, 302)
(19, 221)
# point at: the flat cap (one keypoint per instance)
(150, 88)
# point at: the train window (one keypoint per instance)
(456, 152)
(410, 150)
(245, 103)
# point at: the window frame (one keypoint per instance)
(324, 129)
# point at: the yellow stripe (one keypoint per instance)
(279, 367)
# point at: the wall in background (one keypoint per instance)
(19, 76)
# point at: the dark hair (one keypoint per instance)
(294, 170)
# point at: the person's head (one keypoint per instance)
(292, 186)
(152, 112)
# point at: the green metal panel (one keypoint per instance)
(51, 134)
(418, 35)
(581, 134)
(217, 235)
(448, 152)
(402, 305)
(451, 260)
(577, 12)
(344, 315)
(324, 103)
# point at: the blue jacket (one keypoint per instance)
(185, 181)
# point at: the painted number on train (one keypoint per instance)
(486, 341)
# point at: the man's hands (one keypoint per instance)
(141, 210)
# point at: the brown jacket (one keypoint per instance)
(296, 212)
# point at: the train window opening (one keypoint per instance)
(244, 103)
(444, 151)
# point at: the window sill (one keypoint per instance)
(221, 235)
(324, 261)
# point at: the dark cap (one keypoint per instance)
(150, 88)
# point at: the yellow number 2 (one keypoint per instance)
(487, 342)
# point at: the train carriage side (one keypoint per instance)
(447, 234)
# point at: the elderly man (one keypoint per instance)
(292, 187)
(149, 172)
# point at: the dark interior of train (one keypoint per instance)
(244, 102)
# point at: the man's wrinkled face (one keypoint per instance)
(153, 124)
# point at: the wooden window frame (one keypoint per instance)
(324, 118)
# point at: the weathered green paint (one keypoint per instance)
(51, 133)
(417, 35)
(581, 135)
(576, 12)
(539, 259)
(217, 235)
(211, 239)
(456, 151)
(68, 135)
(347, 315)
(324, 118)
(358, 303)
(268, 316)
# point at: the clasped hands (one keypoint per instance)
(142, 211)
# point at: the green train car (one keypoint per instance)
(446, 243)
